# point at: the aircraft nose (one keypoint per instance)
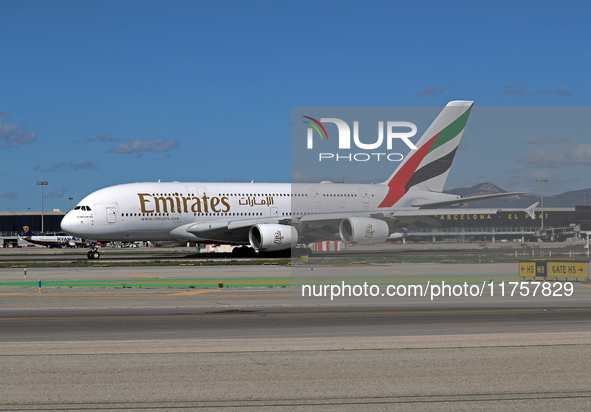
(66, 223)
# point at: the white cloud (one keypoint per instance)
(561, 91)
(9, 195)
(527, 182)
(542, 174)
(518, 90)
(57, 192)
(300, 177)
(67, 166)
(137, 146)
(561, 157)
(521, 90)
(516, 170)
(434, 90)
(547, 139)
(13, 135)
(141, 146)
(105, 137)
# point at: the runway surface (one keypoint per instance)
(263, 348)
(358, 251)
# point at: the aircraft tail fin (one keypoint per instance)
(427, 167)
(26, 229)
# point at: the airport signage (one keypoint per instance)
(567, 269)
(554, 269)
(535, 268)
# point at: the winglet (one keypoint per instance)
(530, 210)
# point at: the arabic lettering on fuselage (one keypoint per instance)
(252, 201)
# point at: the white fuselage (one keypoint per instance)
(152, 211)
(159, 211)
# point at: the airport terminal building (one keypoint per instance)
(558, 224)
(11, 226)
(548, 224)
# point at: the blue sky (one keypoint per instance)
(97, 93)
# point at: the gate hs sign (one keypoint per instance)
(554, 268)
(534, 269)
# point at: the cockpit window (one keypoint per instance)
(77, 207)
(87, 208)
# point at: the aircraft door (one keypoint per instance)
(274, 211)
(201, 191)
(364, 196)
(315, 195)
(111, 215)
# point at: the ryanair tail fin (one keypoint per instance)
(427, 167)
(26, 229)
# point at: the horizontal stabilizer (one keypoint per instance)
(530, 210)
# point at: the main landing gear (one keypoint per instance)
(244, 251)
(93, 254)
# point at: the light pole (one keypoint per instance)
(542, 198)
(71, 198)
(42, 183)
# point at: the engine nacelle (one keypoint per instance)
(363, 230)
(270, 237)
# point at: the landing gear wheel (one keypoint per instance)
(301, 251)
(243, 251)
(93, 254)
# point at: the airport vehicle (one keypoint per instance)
(51, 241)
(279, 216)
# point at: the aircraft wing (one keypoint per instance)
(460, 200)
(326, 225)
(315, 226)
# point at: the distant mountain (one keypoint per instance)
(567, 199)
(486, 188)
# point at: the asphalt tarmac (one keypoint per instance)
(183, 348)
(531, 250)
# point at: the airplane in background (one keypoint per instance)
(398, 234)
(51, 241)
(280, 216)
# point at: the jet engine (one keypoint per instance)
(270, 237)
(363, 230)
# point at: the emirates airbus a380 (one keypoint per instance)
(279, 216)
